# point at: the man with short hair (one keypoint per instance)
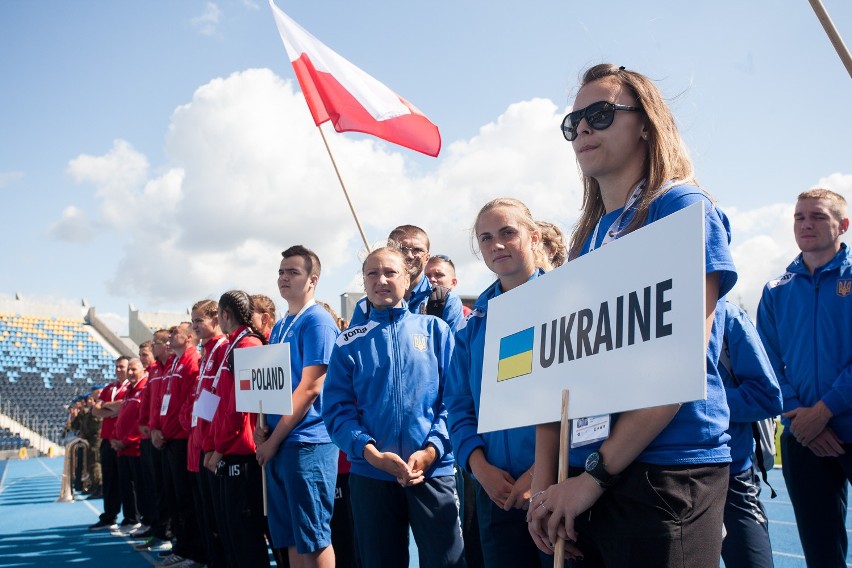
(414, 244)
(299, 456)
(127, 441)
(169, 435)
(805, 321)
(156, 354)
(107, 408)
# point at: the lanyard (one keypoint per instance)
(207, 357)
(279, 337)
(615, 228)
(224, 362)
(171, 373)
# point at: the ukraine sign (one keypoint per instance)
(621, 328)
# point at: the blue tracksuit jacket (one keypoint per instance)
(385, 385)
(805, 321)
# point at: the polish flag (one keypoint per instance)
(351, 99)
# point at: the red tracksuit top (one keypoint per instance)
(111, 393)
(233, 432)
(177, 384)
(127, 424)
(214, 353)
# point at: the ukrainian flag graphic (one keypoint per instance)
(516, 355)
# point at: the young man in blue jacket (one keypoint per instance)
(414, 244)
(805, 321)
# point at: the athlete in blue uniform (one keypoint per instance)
(413, 242)
(501, 462)
(300, 459)
(804, 319)
(753, 394)
(653, 492)
(384, 407)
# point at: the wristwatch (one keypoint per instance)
(596, 467)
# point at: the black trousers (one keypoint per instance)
(238, 497)
(112, 489)
(205, 513)
(153, 468)
(178, 494)
(130, 480)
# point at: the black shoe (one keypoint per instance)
(103, 525)
(96, 495)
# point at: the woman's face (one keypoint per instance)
(385, 279)
(617, 149)
(262, 322)
(204, 326)
(506, 246)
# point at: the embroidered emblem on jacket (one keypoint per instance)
(419, 341)
(844, 288)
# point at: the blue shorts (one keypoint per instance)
(300, 495)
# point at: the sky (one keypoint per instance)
(157, 153)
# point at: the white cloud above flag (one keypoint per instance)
(338, 91)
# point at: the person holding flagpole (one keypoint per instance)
(653, 492)
(299, 457)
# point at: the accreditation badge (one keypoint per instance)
(589, 430)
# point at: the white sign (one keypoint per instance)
(621, 327)
(262, 374)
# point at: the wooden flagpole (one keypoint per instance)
(260, 424)
(562, 471)
(343, 186)
(833, 34)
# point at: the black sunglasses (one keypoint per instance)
(598, 115)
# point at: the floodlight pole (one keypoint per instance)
(833, 34)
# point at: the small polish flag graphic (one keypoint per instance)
(245, 380)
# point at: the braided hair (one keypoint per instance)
(240, 305)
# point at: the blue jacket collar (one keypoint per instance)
(495, 290)
(842, 257)
(384, 315)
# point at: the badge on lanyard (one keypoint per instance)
(164, 408)
(205, 407)
(589, 430)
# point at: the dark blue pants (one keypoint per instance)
(238, 495)
(152, 465)
(746, 543)
(504, 536)
(818, 490)
(383, 511)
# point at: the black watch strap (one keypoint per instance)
(596, 468)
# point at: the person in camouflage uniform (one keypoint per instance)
(88, 427)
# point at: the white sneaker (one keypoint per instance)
(172, 560)
(139, 530)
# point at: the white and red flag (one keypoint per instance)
(352, 100)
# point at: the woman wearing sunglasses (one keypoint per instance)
(653, 492)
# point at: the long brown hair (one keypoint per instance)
(667, 159)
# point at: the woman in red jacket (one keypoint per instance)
(238, 499)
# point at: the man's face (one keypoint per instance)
(416, 251)
(816, 228)
(441, 273)
(121, 369)
(179, 337)
(294, 281)
(146, 356)
(160, 346)
(135, 371)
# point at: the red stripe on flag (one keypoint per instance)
(329, 100)
(245, 384)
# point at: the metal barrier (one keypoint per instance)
(66, 492)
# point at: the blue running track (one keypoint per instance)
(35, 530)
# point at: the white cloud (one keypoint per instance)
(248, 175)
(208, 22)
(74, 226)
(7, 178)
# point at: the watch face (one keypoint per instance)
(592, 461)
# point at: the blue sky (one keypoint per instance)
(160, 152)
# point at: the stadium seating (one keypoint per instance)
(44, 363)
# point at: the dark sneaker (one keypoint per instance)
(129, 526)
(103, 526)
(143, 533)
(154, 543)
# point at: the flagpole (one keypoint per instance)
(343, 186)
(833, 35)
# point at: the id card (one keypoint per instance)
(589, 430)
(164, 408)
(205, 406)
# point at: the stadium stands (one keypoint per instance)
(45, 362)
